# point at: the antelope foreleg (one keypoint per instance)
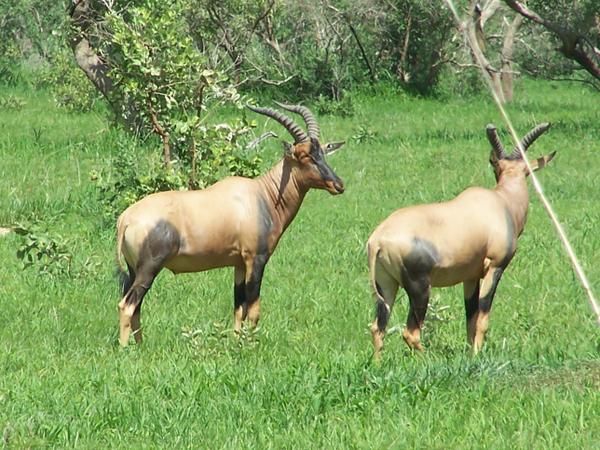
(130, 310)
(486, 297)
(386, 289)
(471, 296)
(126, 312)
(418, 294)
(253, 284)
(239, 298)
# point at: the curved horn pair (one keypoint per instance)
(297, 133)
(311, 123)
(529, 139)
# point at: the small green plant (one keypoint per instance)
(364, 135)
(343, 107)
(12, 102)
(37, 133)
(48, 254)
(216, 338)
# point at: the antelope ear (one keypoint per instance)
(288, 149)
(333, 147)
(542, 162)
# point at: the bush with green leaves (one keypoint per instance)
(27, 36)
(67, 83)
(50, 255)
(132, 174)
(342, 108)
(161, 78)
(136, 172)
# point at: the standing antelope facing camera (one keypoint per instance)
(235, 222)
(470, 238)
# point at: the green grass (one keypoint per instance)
(305, 379)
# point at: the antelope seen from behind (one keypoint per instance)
(235, 222)
(470, 239)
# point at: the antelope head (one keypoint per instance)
(306, 152)
(505, 163)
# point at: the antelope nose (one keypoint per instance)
(339, 186)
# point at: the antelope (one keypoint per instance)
(235, 222)
(470, 239)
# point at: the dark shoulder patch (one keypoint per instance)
(265, 225)
(163, 240)
(422, 258)
(510, 234)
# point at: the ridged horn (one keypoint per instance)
(492, 135)
(297, 133)
(307, 115)
(531, 137)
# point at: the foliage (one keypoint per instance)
(414, 42)
(67, 83)
(159, 74)
(539, 56)
(12, 102)
(128, 179)
(48, 254)
(27, 35)
(580, 16)
(134, 173)
(342, 108)
(10, 72)
(364, 135)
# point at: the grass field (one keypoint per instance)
(305, 378)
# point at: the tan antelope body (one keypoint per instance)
(470, 239)
(236, 222)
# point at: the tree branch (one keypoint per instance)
(164, 135)
(572, 42)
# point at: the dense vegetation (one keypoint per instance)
(304, 379)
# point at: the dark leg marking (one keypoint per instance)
(162, 242)
(253, 284)
(382, 311)
(239, 294)
(485, 302)
(416, 280)
(126, 279)
(415, 276)
(418, 293)
(472, 300)
(510, 239)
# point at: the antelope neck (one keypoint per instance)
(283, 192)
(513, 190)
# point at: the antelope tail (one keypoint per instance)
(120, 236)
(372, 254)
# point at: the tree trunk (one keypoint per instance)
(95, 68)
(87, 59)
(475, 32)
(506, 71)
